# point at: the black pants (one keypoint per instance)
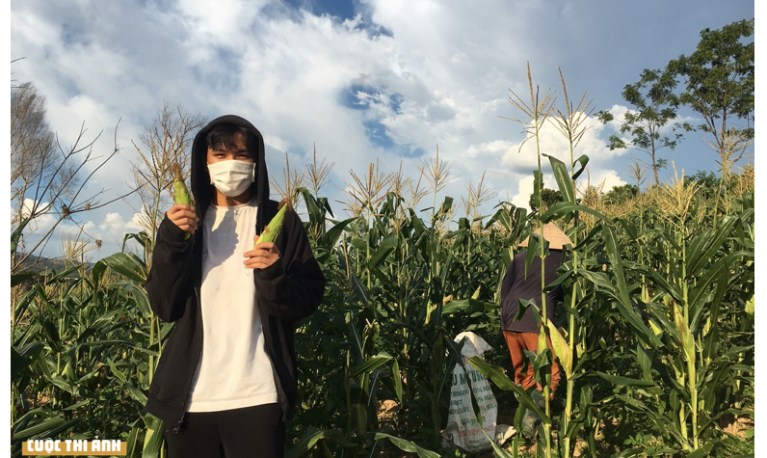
(248, 432)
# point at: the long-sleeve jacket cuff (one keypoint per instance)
(171, 233)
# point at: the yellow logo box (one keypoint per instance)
(95, 447)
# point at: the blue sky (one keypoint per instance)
(365, 80)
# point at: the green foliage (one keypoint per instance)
(655, 105)
(85, 345)
(719, 75)
(620, 194)
(549, 197)
(82, 352)
(711, 185)
(719, 87)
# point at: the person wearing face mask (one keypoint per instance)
(226, 381)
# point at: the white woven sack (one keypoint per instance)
(463, 430)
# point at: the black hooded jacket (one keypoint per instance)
(286, 292)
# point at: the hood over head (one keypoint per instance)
(202, 190)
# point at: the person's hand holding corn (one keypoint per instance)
(182, 212)
(262, 255)
(183, 216)
(265, 252)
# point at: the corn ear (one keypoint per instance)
(180, 192)
(274, 227)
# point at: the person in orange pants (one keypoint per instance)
(522, 334)
(518, 342)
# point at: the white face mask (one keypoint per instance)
(232, 177)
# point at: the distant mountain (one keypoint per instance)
(41, 264)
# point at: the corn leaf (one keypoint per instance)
(330, 238)
(564, 181)
(628, 453)
(701, 452)
(468, 306)
(139, 295)
(407, 446)
(624, 381)
(153, 438)
(582, 160)
(372, 363)
(598, 279)
(498, 451)
(118, 373)
(707, 244)
(621, 288)
(128, 265)
(523, 306)
(397, 380)
(40, 428)
(388, 244)
(497, 375)
(561, 209)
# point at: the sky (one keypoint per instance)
(362, 81)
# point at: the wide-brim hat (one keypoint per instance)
(554, 235)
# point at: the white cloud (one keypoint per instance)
(135, 224)
(113, 224)
(285, 72)
(438, 75)
(222, 25)
(43, 220)
(525, 188)
(77, 232)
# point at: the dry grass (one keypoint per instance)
(368, 191)
(317, 175)
(291, 181)
(477, 196)
(745, 180)
(570, 123)
(538, 111)
(737, 426)
(387, 411)
(674, 200)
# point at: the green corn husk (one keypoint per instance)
(274, 227)
(181, 194)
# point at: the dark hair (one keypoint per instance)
(224, 136)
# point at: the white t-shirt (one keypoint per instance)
(234, 371)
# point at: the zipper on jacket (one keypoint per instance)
(179, 428)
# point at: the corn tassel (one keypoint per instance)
(274, 227)
(180, 192)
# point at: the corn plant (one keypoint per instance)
(658, 327)
(538, 111)
(82, 348)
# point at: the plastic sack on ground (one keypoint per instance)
(463, 430)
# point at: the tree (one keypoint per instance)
(45, 179)
(165, 142)
(655, 106)
(549, 197)
(707, 183)
(621, 194)
(719, 86)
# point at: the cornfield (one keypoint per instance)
(655, 338)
